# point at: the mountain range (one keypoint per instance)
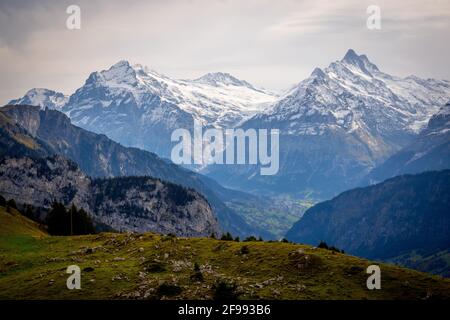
(32, 132)
(335, 126)
(139, 107)
(347, 125)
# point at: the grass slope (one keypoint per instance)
(14, 223)
(150, 266)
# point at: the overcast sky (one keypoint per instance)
(273, 44)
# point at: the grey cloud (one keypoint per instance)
(270, 43)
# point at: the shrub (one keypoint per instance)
(155, 267)
(251, 238)
(353, 270)
(197, 275)
(323, 245)
(168, 290)
(245, 250)
(225, 291)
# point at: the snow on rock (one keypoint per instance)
(43, 98)
(353, 92)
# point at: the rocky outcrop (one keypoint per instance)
(135, 204)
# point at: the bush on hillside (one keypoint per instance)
(224, 291)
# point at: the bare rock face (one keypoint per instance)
(135, 204)
(154, 205)
(39, 181)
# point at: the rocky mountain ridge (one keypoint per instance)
(135, 204)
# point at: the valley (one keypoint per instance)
(224, 159)
(347, 126)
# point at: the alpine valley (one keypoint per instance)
(364, 159)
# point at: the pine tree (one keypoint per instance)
(58, 220)
(227, 237)
(2, 201)
(72, 222)
(11, 203)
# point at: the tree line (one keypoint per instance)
(60, 221)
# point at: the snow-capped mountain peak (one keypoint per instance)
(121, 73)
(351, 57)
(44, 98)
(339, 123)
(360, 62)
(354, 94)
(350, 95)
(131, 102)
(218, 99)
(221, 78)
(317, 72)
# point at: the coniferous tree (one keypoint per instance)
(227, 237)
(68, 222)
(29, 212)
(83, 223)
(2, 201)
(58, 220)
(11, 203)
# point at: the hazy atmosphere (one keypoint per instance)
(270, 44)
(223, 150)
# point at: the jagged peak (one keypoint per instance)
(351, 56)
(224, 78)
(120, 72)
(42, 90)
(360, 61)
(318, 72)
(120, 64)
(42, 97)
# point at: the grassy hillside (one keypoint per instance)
(13, 223)
(150, 266)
